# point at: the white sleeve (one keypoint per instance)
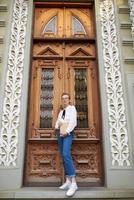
(73, 120)
(57, 122)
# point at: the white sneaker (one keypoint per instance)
(65, 186)
(71, 191)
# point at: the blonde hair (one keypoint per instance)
(65, 93)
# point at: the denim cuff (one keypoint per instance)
(71, 176)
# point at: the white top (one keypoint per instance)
(70, 117)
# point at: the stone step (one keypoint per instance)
(2, 23)
(125, 25)
(3, 8)
(82, 194)
(124, 9)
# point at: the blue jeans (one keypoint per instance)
(64, 145)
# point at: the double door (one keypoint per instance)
(63, 60)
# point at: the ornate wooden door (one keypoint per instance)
(63, 60)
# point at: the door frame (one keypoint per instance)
(72, 4)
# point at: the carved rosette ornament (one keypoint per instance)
(115, 101)
(13, 87)
(131, 5)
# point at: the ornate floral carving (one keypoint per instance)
(115, 100)
(43, 161)
(13, 86)
(86, 160)
(131, 4)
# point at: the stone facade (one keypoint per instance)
(116, 89)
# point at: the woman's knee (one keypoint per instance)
(66, 155)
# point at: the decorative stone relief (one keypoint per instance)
(131, 4)
(114, 89)
(13, 87)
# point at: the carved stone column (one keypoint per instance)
(13, 86)
(118, 133)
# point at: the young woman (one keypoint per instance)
(69, 115)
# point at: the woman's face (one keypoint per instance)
(65, 100)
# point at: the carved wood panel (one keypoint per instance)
(43, 164)
(87, 162)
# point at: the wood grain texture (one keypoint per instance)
(64, 53)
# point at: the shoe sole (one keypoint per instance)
(72, 194)
(64, 188)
